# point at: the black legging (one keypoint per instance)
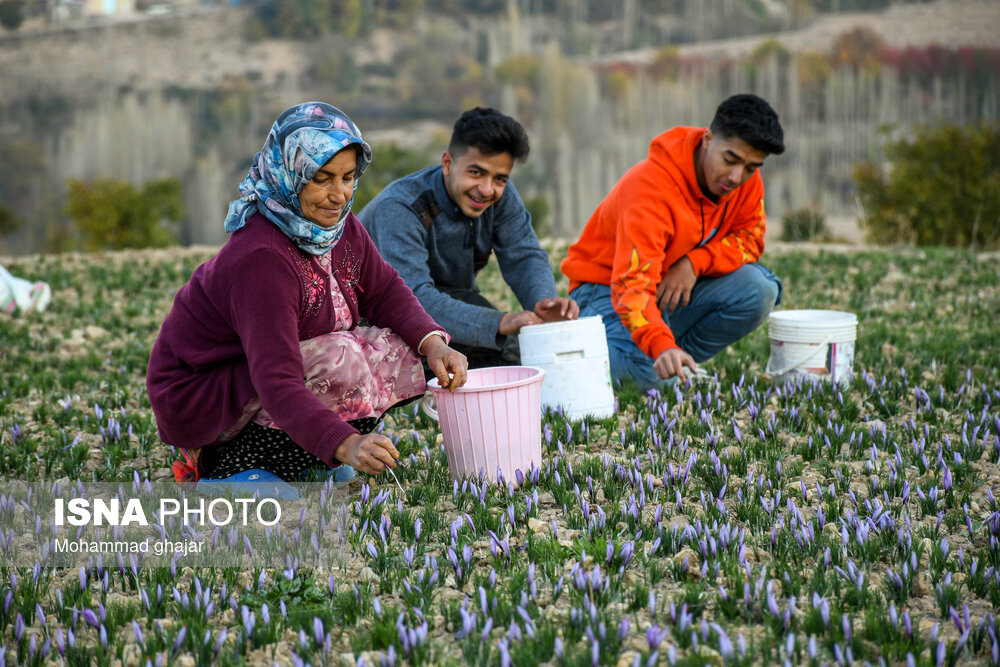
(268, 449)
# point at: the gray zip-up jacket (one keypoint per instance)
(420, 231)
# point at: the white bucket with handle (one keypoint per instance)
(812, 343)
(574, 355)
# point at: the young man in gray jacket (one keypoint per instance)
(438, 227)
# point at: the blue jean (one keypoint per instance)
(721, 311)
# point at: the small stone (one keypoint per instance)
(161, 474)
(679, 520)
(536, 525)
(693, 564)
(348, 660)
(93, 332)
(918, 587)
(367, 576)
(626, 659)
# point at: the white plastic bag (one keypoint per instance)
(19, 295)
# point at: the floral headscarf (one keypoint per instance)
(302, 140)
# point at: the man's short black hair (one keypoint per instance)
(491, 132)
(751, 119)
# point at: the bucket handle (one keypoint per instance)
(768, 369)
(425, 405)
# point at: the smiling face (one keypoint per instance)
(475, 181)
(722, 165)
(324, 197)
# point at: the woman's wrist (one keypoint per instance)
(420, 346)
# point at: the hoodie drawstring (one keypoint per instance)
(701, 208)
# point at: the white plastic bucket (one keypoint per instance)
(574, 355)
(493, 421)
(816, 343)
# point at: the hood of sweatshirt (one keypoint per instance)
(674, 151)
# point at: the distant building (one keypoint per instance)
(116, 8)
(68, 10)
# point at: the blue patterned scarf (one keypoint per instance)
(302, 140)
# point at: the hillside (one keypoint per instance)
(951, 23)
(187, 96)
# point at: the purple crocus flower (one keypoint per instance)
(180, 638)
(654, 637)
(137, 631)
(220, 641)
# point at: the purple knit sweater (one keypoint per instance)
(234, 330)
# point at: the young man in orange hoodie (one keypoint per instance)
(669, 258)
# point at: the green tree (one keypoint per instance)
(12, 14)
(940, 188)
(804, 224)
(9, 222)
(114, 214)
(539, 209)
(23, 195)
(521, 69)
(390, 162)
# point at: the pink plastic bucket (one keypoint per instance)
(494, 421)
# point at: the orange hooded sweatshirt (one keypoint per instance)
(655, 215)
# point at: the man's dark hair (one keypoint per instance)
(491, 132)
(751, 119)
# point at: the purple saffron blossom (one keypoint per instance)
(180, 638)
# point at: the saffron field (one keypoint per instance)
(727, 522)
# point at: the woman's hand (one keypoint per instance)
(448, 365)
(371, 453)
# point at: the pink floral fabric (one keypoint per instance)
(341, 310)
(360, 372)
